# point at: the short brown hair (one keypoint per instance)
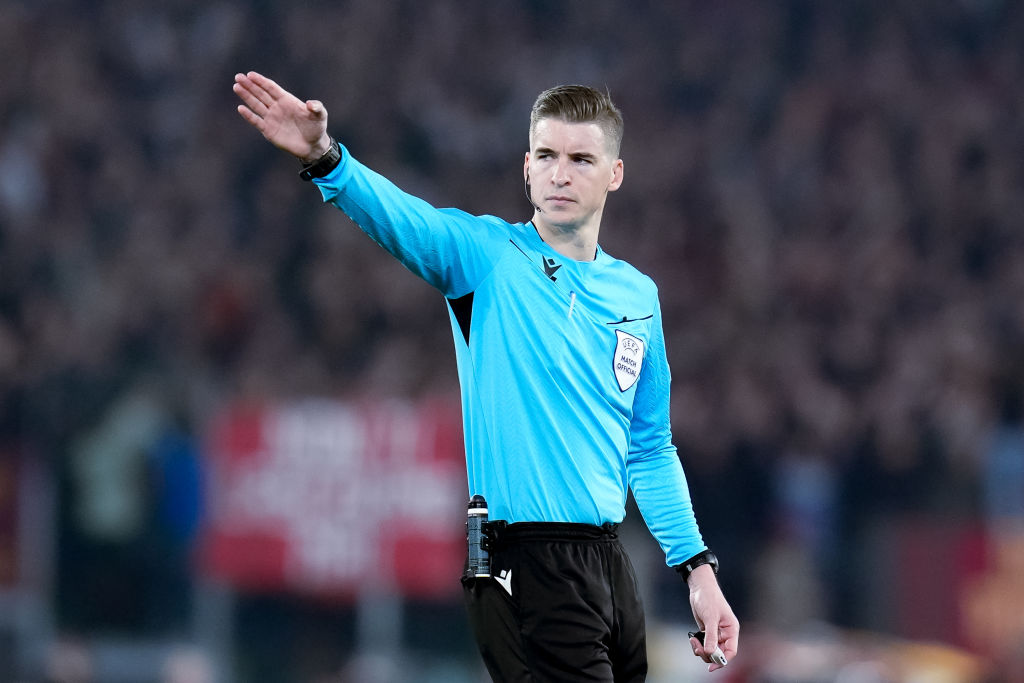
(580, 104)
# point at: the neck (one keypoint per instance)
(577, 242)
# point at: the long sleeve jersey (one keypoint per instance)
(562, 364)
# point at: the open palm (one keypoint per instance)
(297, 127)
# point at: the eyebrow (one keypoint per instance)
(574, 155)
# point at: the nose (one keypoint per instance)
(561, 174)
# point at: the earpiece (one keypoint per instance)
(529, 193)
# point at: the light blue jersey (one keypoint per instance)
(565, 382)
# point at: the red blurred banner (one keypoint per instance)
(328, 497)
(9, 518)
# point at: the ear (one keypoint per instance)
(526, 167)
(616, 181)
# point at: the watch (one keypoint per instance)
(324, 165)
(703, 557)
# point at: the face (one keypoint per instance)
(571, 171)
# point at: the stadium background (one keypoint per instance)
(830, 196)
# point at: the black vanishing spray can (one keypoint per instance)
(476, 515)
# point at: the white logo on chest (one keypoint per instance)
(628, 359)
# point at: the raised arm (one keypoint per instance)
(297, 127)
(448, 248)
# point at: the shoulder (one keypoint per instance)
(483, 234)
(628, 273)
(520, 236)
(483, 222)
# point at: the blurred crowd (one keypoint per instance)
(830, 196)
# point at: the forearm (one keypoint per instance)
(660, 489)
(393, 218)
(439, 245)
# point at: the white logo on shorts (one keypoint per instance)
(505, 579)
(628, 359)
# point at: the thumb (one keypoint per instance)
(316, 108)
(710, 637)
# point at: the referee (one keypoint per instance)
(565, 388)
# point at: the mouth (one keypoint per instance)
(560, 199)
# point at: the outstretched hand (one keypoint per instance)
(297, 127)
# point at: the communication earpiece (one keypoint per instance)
(529, 193)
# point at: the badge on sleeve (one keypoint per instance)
(629, 357)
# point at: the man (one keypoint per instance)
(565, 388)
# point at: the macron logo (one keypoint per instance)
(505, 579)
(551, 267)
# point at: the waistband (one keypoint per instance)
(499, 532)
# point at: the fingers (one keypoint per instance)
(256, 98)
(713, 653)
(727, 645)
(697, 647)
(711, 634)
(252, 104)
(267, 86)
(710, 637)
(730, 643)
(249, 116)
(258, 91)
(697, 641)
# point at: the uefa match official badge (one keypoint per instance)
(629, 357)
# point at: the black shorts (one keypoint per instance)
(562, 604)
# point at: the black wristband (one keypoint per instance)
(324, 165)
(703, 557)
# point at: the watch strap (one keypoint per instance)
(703, 557)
